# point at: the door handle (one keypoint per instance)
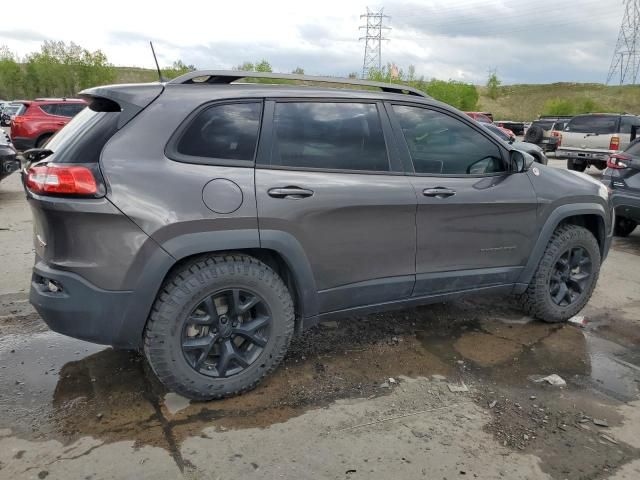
(438, 192)
(290, 192)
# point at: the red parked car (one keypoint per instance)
(40, 119)
(482, 117)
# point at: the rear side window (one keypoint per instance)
(51, 109)
(443, 145)
(600, 124)
(326, 135)
(69, 109)
(228, 131)
(627, 122)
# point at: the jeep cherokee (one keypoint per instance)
(206, 221)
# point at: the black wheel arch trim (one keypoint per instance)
(553, 220)
(179, 248)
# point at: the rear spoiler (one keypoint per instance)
(130, 99)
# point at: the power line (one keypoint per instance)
(373, 40)
(626, 57)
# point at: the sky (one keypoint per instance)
(540, 41)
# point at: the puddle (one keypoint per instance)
(57, 387)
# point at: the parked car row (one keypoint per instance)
(34, 122)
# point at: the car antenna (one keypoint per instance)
(153, 51)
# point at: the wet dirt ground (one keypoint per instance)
(444, 391)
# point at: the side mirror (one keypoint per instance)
(521, 161)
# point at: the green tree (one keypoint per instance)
(263, 66)
(177, 68)
(298, 71)
(11, 75)
(493, 86)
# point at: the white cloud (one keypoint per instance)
(547, 40)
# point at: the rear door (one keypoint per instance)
(476, 221)
(328, 181)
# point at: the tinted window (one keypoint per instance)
(627, 122)
(495, 130)
(51, 109)
(634, 148)
(69, 109)
(345, 136)
(223, 131)
(600, 124)
(441, 144)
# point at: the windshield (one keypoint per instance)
(497, 131)
(80, 123)
(600, 124)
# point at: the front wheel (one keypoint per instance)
(218, 326)
(565, 277)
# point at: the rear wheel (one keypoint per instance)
(565, 277)
(219, 325)
(577, 165)
(600, 165)
(624, 227)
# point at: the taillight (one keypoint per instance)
(62, 180)
(614, 144)
(618, 161)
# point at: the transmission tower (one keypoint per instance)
(626, 57)
(373, 40)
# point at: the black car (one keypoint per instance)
(622, 177)
(8, 161)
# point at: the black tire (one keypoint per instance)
(538, 300)
(600, 165)
(624, 227)
(579, 166)
(41, 142)
(177, 305)
(534, 134)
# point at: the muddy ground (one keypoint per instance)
(445, 391)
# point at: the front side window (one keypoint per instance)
(336, 136)
(228, 131)
(440, 144)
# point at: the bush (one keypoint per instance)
(573, 106)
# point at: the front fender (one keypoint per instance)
(553, 220)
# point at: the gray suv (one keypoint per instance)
(206, 222)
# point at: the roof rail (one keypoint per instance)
(229, 76)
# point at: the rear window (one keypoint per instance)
(600, 124)
(227, 132)
(84, 137)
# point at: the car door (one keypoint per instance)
(329, 183)
(476, 220)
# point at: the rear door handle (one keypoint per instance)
(290, 192)
(438, 192)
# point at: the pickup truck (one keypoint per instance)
(590, 139)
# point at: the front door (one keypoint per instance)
(329, 184)
(476, 220)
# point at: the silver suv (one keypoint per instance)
(590, 139)
(206, 222)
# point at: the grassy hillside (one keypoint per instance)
(527, 102)
(516, 102)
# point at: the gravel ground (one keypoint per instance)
(445, 391)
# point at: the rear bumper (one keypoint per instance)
(23, 143)
(598, 156)
(80, 309)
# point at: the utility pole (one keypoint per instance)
(626, 57)
(373, 40)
